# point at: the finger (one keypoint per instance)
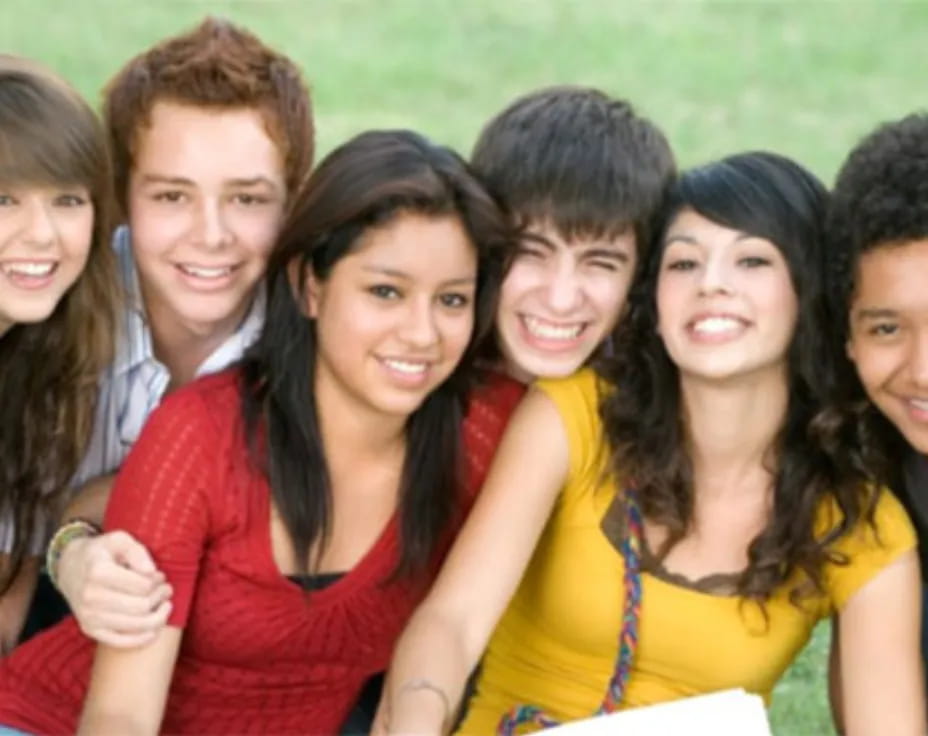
(107, 576)
(125, 625)
(132, 554)
(101, 604)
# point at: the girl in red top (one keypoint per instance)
(299, 505)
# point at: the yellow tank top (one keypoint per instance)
(556, 644)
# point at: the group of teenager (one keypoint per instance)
(541, 435)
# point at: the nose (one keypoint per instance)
(565, 292)
(419, 328)
(212, 231)
(39, 227)
(715, 277)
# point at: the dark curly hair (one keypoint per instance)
(812, 459)
(880, 200)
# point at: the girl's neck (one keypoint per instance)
(354, 433)
(731, 427)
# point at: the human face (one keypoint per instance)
(725, 300)
(560, 299)
(395, 315)
(206, 199)
(889, 335)
(45, 237)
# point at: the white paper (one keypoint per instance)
(725, 713)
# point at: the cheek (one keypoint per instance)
(257, 231)
(610, 293)
(79, 236)
(520, 280)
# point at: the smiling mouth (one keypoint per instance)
(717, 326)
(552, 331)
(205, 272)
(410, 368)
(30, 269)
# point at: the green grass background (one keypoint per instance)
(806, 79)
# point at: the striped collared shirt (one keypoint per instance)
(136, 382)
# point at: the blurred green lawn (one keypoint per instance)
(802, 78)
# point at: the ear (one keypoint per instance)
(849, 349)
(305, 288)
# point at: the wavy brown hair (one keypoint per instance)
(50, 136)
(816, 455)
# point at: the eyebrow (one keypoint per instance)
(690, 240)
(875, 313)
(185, 182)
(395, 273)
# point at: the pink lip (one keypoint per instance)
(206, 284)
(919, 415)
(26, 282)
(406, 380)
(715, 338)
(551, 345)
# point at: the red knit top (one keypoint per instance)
(257, 655)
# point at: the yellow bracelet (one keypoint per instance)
(65, 534)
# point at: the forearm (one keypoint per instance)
(427, 676)
(96, 722)
(90, 501)
(15, 602)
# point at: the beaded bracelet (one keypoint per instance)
(64, 535)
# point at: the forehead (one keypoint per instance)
(197, 142)
(894, 277)
(548, 234)
(416, 245)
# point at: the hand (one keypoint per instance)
(114, 589)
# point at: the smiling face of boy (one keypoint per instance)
(889, 334)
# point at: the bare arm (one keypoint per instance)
(881, 679)
(480, 574)
(14, 603)
(835, 695)
(110, 582)
(129, 687)
(90, 500)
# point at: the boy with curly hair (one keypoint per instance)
(878, 228)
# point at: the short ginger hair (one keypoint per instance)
(220, 66)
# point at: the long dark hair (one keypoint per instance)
(814, 456)
(50, 369)
(361, 185)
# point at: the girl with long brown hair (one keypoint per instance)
(57, 309)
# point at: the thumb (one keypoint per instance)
(131, 554)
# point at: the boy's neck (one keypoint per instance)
(183, 346)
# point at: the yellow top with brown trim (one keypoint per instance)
(556, 644)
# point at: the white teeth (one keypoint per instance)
(29, 269)
(920, 404)
(716, 325)
(402, 366)
(552, 332)
(206, 273)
